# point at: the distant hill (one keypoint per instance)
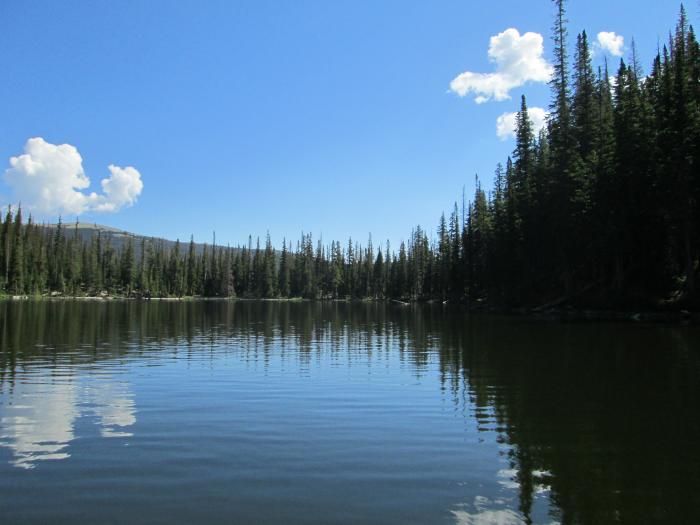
(118, 238)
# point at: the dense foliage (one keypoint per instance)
(600, 208)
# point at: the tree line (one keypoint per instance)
(598, 208)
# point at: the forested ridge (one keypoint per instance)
(599, 209)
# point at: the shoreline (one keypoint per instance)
(567, 314)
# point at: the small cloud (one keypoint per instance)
(122, 188)
(505, 124)
(518, 59)
(611, 42)
(49, 179)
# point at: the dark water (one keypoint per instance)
(252, 412)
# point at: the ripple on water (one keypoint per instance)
(313, 413)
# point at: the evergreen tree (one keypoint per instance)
(191, 268)
(16, 265)
(284, 272)
(126, 267)
(6, 244)
(269, 276)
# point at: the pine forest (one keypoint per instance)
(599, 209)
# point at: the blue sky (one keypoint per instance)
(334, 117)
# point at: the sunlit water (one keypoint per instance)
(261, 412)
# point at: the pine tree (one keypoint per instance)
(444, 257)
(174, 272)
(142, 282)
(336, 270)
(522, 189)
(566, 169)
(284, 272)
(126, 267)
(16, 266)
(191, 268)
(583, 104)
(6, 245)
(378, 275)
(269, 270)
(684, 122)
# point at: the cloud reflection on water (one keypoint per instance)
(38, 416)
(485, 514)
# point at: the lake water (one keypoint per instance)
(263, 412)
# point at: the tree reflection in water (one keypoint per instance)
(600, 420)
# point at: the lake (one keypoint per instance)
(274, 412)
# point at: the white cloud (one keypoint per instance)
(505, 124)
(49, 179)
(611, 42)
(518, 59)
(122, 188)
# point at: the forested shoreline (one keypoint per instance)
(600, 209)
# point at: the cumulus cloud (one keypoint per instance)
(611, 43)
(122, 188)
(518, 59)
(505, 124)
(49, 179)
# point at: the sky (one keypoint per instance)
(341, 118)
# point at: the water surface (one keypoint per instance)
(262, 412)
